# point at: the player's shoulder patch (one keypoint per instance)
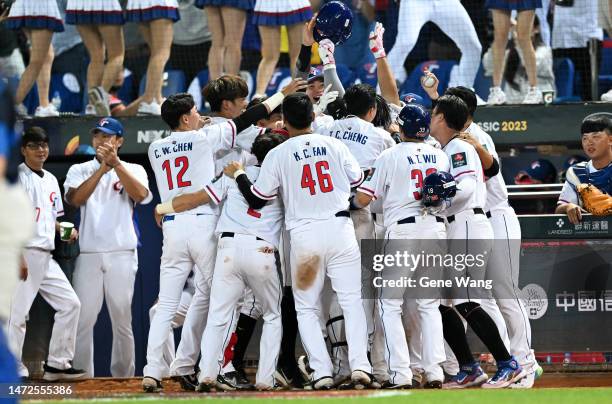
(459, 159)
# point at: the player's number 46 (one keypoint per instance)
(323, 177)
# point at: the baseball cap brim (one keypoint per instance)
(105, 130)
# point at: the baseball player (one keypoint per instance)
(596, 137)
(453, 20)
(412, 159)
(467, 221)
(44, 275)
(184, 162)
(106, 189)
(504, 263)
(313, 174)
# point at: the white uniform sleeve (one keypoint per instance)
(221, 136)
(322, 124)
(140, 174)
(464, 160)
(74, 178)
(59, 205)
(375, 184)
(217, 189)
(268, 181)
(568, 194)
(246, 138)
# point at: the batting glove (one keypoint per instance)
(376, 41)
(327, 98)
(326, 52)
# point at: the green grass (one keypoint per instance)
(535, 396)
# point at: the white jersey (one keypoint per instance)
(313, 174)
(465, 163)
(569, 193)
(364, 140)
(237, 217)
(107, 216)
(241, 153)
(45, 194)
(398, 176)
(322, 121)
(184, 161)
(497, 193)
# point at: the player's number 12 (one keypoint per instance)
(181, 162)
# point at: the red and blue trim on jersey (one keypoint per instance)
(358, 181)
(212, 193)
(152, 13)
(35, 22)
(261, 195)
(286, 18)
(94, 17)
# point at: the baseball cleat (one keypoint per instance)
(525, 383)
(151, 385)
(468, 376)
(54, 375)
(393, 386)
(241, 378)
(376, 384)
(434, 384)
(206, 386)
(361, 379)
(323, 383)
(281, 377)
(304, 367)
(417, 380)
(508, 372)
(538, 371)
(187, 382)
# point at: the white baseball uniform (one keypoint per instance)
(247, 255)
(107, 265)
(314, 175)
(505, 261)
(184, 162)
(44, 275)
(398, 177)
(453, 20)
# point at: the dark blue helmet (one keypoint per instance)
(334, 21)
(437, 187)
(412, 98)
(414, 120)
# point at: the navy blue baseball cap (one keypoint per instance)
(315, 73)
(541, 171)
(110, 126)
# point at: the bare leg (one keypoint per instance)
(115, 50)
(160, 43)
(217, 51)
(270, 52)
(524, 25)
(234, 21)
(95, 48)
(44, 79)
(41, 42)
(294, 33)
(501, 24)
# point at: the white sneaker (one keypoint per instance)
(496, 96)
(480, 101)
(534, 96)
(100, 100)
(45, 112)
(21, 110)
(526, 382)
(152, 108)
(607, 97)
(90, 110)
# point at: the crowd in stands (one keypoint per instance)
(102, 57)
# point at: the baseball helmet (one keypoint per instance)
(412, 98)
(437, 187)
(414, 120)
(334, 22)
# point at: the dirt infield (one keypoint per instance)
(108, 387)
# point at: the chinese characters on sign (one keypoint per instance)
(585, 301)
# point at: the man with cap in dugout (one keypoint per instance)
(541, 171)
(107, 190)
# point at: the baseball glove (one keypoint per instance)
(595, 201)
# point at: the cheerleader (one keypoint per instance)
(100, 24)
(226, 22)
(155, 18)
(39, 19)
(501, 10)
(269, 16)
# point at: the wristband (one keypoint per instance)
(164, 208)
(274, 101)
(238, 173)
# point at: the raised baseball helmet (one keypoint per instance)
(412, 98)
(414, 120)
(437, 187)
(334, 22)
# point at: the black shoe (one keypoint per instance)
(435, 384)
(229, 382)
(393, 386)
(282, 378)
(241, 377)
(188, 382)
(323, 383)
(53, 374)
(205, 387)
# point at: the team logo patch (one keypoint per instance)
(458, 159)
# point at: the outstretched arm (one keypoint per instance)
(386, 81)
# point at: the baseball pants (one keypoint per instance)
(45, 277)
(243, 261)
(188, 240)
(109, 277)
(453, 20)
(320, 248)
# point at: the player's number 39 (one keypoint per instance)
(323, 177)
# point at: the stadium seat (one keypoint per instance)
(564, 80)
(67, 87)
(174, 82)
(482, 83)
(605, 68)
(442, 70)
(279, 79)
